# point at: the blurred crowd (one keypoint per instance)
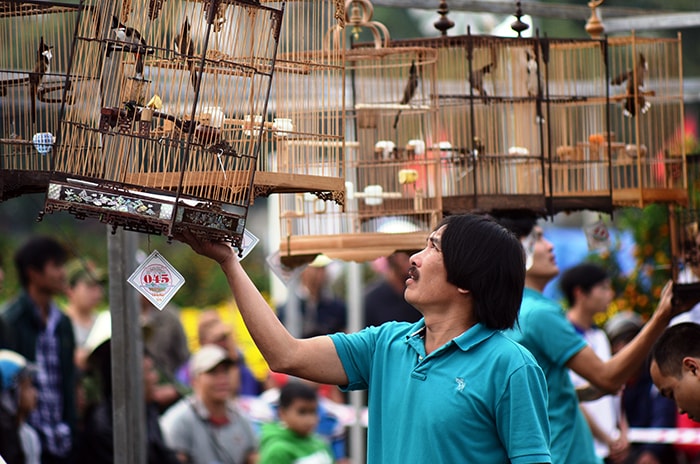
(208, 406)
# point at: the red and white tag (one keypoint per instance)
(157, 280)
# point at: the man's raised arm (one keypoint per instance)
(314, 358)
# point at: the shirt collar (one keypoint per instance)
(471, 337)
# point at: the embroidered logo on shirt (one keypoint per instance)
(460, 383)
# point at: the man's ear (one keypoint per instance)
(692, 365)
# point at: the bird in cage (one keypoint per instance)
(129, 40)
(476, 78)
(154, 7)
(532, 83)
(185, 46)
(410, 90)
(629, 76)
(41, 67)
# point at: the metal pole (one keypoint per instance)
(354, 298)
(128, 402)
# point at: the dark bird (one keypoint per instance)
(154, 7)
(532, 83)
(629, 76)
(410, 90)
(41, 67)
(476, 79)
(129, 40)
(184, 46)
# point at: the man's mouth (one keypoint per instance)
(413, 273)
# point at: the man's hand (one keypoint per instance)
(665, 306)
(218, 251)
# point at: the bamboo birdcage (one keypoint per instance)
(580, 145)
(647, 119)
(488, 135)
(168, 131)
(304, 132)
(391, 178)
(35, 51)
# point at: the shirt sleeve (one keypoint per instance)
(355, 352)
(553, 335)
(523, 423)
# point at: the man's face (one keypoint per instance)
(427, 282)
(51, 279)
(544, 265)
(599, 297)
(301, 416)
(684, 390)
(214, 385)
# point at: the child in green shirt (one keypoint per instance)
(292, 439)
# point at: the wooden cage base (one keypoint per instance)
(297, 250)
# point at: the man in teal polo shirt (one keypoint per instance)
(449, 388)
(544, 330)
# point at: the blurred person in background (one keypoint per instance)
(384, 299)
(19, 442)
(44, 336)
(321, 312)
(166, 343)
(84, 295)
(212, 330)
(642, 405)
(292, 439)
(207, 427)
(97, 441)
(588, 292)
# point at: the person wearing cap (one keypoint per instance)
(588, 291)
(321, 312)
(206, 427)
(212, 330)
(44, 335)
(544, 330)
(450, 388)
(19, 442)
(642, 405)
(84, 294)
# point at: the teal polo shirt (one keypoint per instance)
(480, 398)
(551, 338)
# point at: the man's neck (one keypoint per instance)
(579, 317)
(41, 299)
(536, 283)
(442, 328)
(216, 409)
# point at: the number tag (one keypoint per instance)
(157, 280)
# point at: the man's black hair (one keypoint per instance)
(35, 254)
(585, 276)
(485, 258)
(296, 390)
(677, 342)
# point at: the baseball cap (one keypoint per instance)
(207, 358)
(86, 270)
